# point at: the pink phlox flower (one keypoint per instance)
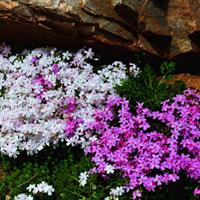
(137, 195)
(34, 60)
(71, 125)
(197, 191)
(55, 69)
(70, 104)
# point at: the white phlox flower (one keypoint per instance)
(23, 197)
(42, 187)
(118, 191)
(109, 169)
(83, 177)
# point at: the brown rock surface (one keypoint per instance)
(1, 174)
(190, 80)
(165, 28)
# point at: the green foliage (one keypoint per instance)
(59, 167)
(149, 87)
(181, 190)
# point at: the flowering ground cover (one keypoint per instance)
(70, 130)
(149, 158)
(39, 91)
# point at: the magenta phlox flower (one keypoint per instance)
(71, 125)
(70, 104)
(197, 191)
(34, 60)
(72, 122)
(55, 69)
(45, 85)
(130, 144)
(40, 80)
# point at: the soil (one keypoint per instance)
(1, 174)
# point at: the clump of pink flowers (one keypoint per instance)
(148, 157)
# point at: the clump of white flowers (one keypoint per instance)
(48, 96)
(83, 177)
(23, 197)
(118, 191)
(134, 70)
(42, 187)
(115, 193)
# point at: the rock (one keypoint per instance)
(192, 81)
(166, 28)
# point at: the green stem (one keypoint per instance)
(156, 98)
(23, 183)
(73, 177)
(79, 195)
(150, 83)
(161, 80)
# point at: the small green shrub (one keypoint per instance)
(149, 87)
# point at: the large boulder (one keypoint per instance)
(166, 28)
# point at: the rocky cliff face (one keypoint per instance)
(166, 28)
